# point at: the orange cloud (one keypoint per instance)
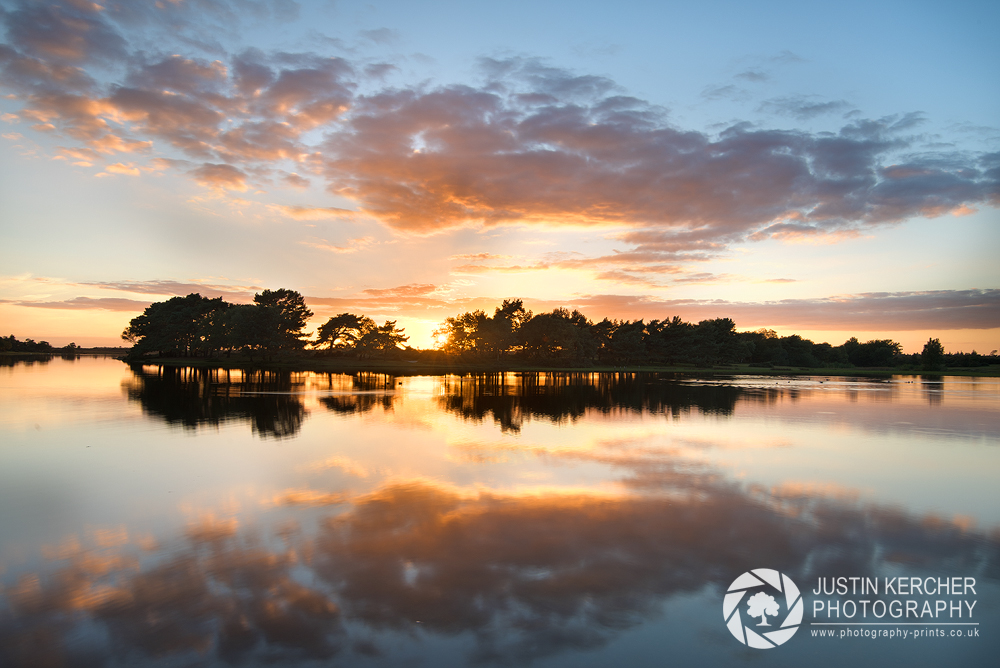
(533, 145)
(311, 212)
(120, 168)
(307, 497)
(220, 177)
(87, 303)
(353, 246)
(894, 311)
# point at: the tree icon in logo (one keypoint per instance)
(761, 605)
(754, 587)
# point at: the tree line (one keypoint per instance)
(275, 323)
(572, 338)
(11, 344)
(196, 326)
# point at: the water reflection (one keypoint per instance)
(512, 398)
(24, 359)
(493, 520)
(195, 397)
(272, 401)
(360, 392)
(933, 389)
(522, 577)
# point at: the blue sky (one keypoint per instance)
(830, 170)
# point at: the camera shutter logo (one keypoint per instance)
(766, 587)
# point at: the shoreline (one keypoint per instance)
(420, 368)
(424, 368)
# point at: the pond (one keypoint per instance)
(178, 516)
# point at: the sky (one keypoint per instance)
(831, 170)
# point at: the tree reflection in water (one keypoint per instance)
(195, 397)
(512, 398)
(360, 392)
(269, 400)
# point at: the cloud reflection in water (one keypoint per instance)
(518, 576)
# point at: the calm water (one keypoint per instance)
(183, 517)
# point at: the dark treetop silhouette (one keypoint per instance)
(196, 326)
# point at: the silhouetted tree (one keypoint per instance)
(932, 357)
(717, 342)
(800, 351)
(463, 333)
(881, 352)
(282, 316)
(475, 333)
(505, 326)
(559, 335)
(671, 341)
(11, 344)
(381, 341)
(243, 329)
(178, 326)
(343, 331)
(628, 344)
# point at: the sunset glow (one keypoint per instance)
(410, 163)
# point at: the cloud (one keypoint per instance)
(628, 279)
(221, 177)
(379, 70)
(787, 57)
(803, 107)
(425, 161)
(381, 36)
(491, 577)
(311, 212)
(533, 144)
(246, 113)
(353, 246)
(308, 497)
(726, 92)
(500, 269)
(804, 234)
(121, 168)
(704, 277)
(899, 311)
(479, 256)
(754, 75)
(234, 293)
(895, 311)
(296, 181)
(654, 254)
(64, 33)
(411, 290)
(346, 464)
(543, 81)
(88, 304)
(189, 76)
(405, 300)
